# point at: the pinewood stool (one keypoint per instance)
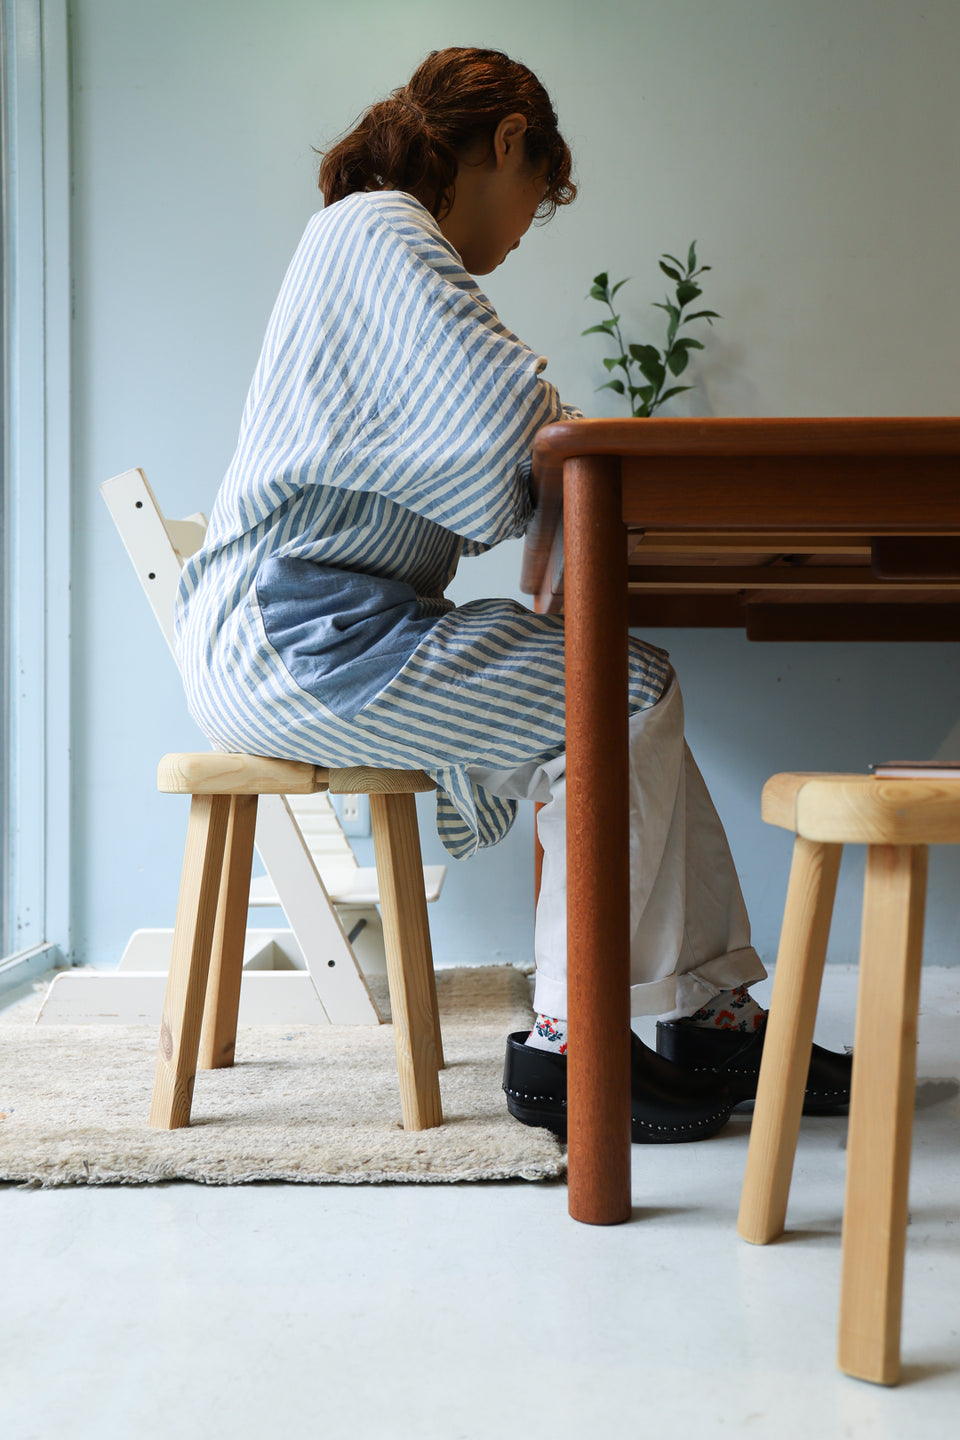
(897, 819)
(202, 999)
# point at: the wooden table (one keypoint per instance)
(807, 529)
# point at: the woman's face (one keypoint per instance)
(495, 200)
(511, 215)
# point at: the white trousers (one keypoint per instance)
(689, 931)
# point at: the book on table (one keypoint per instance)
(916, 770)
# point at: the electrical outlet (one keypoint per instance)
(355, 814)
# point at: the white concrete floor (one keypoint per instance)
(460, 1312)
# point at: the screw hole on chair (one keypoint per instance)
(139, 504)
(152, 575)
(331, 963)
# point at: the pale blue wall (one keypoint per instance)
(811, 149)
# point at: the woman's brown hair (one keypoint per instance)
(416, 138)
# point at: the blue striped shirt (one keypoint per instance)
(387, 432)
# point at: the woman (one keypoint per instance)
(387, 433)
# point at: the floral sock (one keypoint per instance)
(549, 1033)
(730, 1010)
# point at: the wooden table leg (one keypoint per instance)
(598, 843)
(881, 1113)
(789, 1037)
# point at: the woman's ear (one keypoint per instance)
(508, 138)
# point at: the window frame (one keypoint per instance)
(36, 488)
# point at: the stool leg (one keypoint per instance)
(789, 1037)
(415, 922)
(881, 1113)
(218, 1035)
(406, 935)
(190, 961)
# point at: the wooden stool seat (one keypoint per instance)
(897, 819)
(862, 810)
(223, 773)
(199, 1026)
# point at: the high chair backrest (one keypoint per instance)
(157, 546)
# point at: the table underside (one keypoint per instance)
(790, 585)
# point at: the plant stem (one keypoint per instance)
(628, 361)
(655, 400)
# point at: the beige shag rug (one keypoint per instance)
(315, 1104)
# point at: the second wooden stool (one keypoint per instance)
(897, 819)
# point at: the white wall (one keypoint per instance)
(811, 149)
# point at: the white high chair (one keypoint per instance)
(315, 971)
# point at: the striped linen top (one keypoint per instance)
(387, 432)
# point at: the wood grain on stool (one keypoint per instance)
(189, 963)
(406, 935)
(363, 780)
(218, 1036)
(223, 773)
(787, 1044)
(881, 1113)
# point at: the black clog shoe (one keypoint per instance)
(734, 1056)
(667, 1105)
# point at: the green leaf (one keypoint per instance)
(678, 349)
(597, 294)
(604, 328)
(674, 319)
(677, 359)
(645, 352)
(709, 315)
(669, 270)
(601, 280)
(678, 263)
(613, 385)
(669, 394)
(671, 310)
(621, 360)
(687, 291)
(692, 256)
(653, 371)
(617, 286)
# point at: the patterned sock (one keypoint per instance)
(731, 1010)
(549, 1033)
